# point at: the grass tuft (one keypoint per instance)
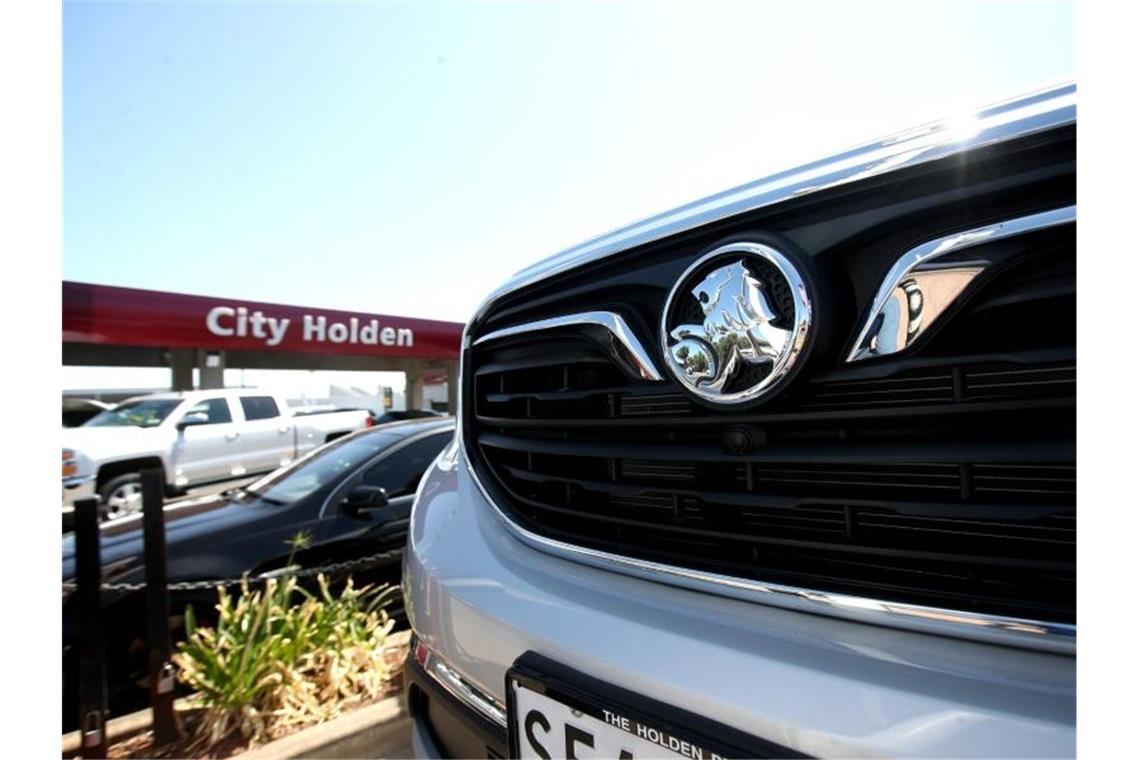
(282, 657)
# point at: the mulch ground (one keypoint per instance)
(141, 745)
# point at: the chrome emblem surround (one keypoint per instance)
(741, 328)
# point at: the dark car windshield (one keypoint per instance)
(414, 414)
(310, 473)
(143, 413)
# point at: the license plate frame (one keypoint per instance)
(705, 737)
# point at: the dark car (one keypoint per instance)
(407, 414)
(351, 498)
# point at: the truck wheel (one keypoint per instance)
(121, 496)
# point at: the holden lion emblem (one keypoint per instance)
(735, 323)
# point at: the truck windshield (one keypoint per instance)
(143, 413)
(324, 466)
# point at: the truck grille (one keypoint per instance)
(944, 476)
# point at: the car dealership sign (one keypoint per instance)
(126, 316)
(230, 321)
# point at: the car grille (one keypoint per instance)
(944, 476)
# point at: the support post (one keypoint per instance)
(181, 369)
(414, 386)
(160, 668)
(211, 369)
(453, 387)
(92, 651)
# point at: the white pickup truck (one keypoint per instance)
(196, 437)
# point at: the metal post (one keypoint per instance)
(453, 387)
(182, 368)
(92, 652)
(211, 369)
(414, 386)
(161, 670)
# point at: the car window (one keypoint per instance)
(413, 414)
(321, 468)
(399, 473)
(259, 407)
(216, 411)
(149, 413)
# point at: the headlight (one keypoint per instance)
(70, 465)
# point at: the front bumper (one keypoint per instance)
(445, 726)
(78, 487)
(817, 685)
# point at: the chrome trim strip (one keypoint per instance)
(916, 258)
(642, 365)
(912, 306)
(462, 689)
(1059, 638)
(1036, 112)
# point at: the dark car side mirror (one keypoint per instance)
(363, 499)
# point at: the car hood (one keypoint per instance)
(121, 541)
(104, 442)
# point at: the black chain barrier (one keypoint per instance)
(88, 585)
(332, 569)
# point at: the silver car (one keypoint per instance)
(789, 471)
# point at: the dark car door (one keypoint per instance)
(259, 536)
(398, 471)
(302, 494)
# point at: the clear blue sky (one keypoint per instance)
(406, 158)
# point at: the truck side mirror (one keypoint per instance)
(362, 499)
(193, 418)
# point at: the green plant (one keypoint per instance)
(272, 663)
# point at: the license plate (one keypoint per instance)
(555, 712)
